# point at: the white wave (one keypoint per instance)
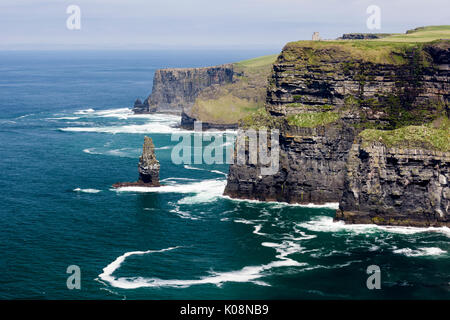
(326, 224)
(183, 214)
(330, 205)
(202, 169)
(420, 252)
(123, 152)
(164, 148)
(64, 118)
(244, 221)
(206, 190)
(85, 111)
(257, 230)
(150, 127)
(246, 274)
(87, 190)
(176, 179)
(25, 116)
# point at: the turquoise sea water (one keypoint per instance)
(66, 135)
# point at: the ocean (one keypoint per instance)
(67, 134)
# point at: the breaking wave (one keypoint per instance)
(326, 224)
(330, 205)
(206, 190)
(87, 190)
(420, 252)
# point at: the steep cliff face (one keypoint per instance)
(311, 169)
(326, 94)
(396, 186)
(390, 84)
(175, 89)
(218, 96)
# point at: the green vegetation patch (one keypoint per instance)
(392, 49)
(318, 52)
(313, 119)
(425, 136)
(260, 119)
(258, 62)
(422, 34)
(228, 103)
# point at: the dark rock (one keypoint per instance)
(148, 168)
(311, 168)
(394, 186)
(176, 89)
(363, 36)
(139, 107)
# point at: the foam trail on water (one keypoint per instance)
(206, 190)
(87, 190)
(123, 152)
(201, 169)
(330, 205)
(246, 274)
(326, 224)
(421, 252)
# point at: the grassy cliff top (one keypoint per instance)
(433, 137)
(421, 34)
(387, 50)
(257, 62)
(231, 102)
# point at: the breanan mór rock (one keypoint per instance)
(148, 168)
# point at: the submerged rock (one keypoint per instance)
(148, 168)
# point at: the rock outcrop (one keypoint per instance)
(139, 107)
(396, 186)
(148, 168)
(311, 169)
(176, 89)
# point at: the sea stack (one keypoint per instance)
(148, 165)
(148, 168)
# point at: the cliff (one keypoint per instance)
(175, 89)
(403, 185)
(324, 96)
(218, 96)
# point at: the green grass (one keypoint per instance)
(422, 34)
(313, 119)
(227, 104)
(258, 62)
(425, 136)
(387, 50)
(317, 52)
(260, 119)
(226, 108)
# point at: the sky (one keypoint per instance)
(165, 24)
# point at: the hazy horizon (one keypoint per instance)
(200, 24)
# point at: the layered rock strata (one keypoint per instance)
(396, 186)
(176, 89)
(148, 168)
(326, 94)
